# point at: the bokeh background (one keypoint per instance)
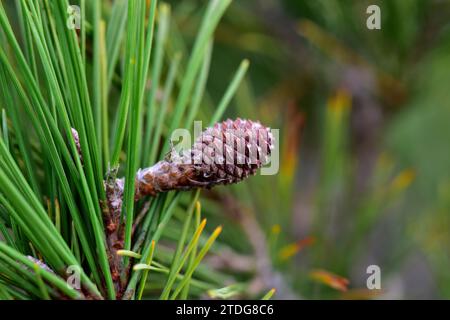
(364, 117)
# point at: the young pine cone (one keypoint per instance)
(226, 153)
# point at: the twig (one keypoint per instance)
(266, 277)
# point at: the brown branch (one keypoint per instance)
(266, 276)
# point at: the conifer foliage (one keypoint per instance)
(78, 219)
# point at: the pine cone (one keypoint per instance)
(226, 153)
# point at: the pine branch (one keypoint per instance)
(226, 153)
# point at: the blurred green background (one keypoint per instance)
(364, 119)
